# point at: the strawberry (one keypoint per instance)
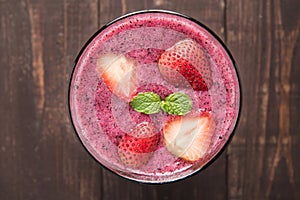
(118, 72)
(186, 64)
(133, 159)
(189, 137)
(145, 136)
(136, 147)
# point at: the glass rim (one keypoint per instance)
(227, 51)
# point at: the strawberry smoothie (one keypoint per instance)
(154, 96)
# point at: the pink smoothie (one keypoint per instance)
(101, 118)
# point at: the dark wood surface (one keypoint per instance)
(40, 155)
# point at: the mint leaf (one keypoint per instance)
(147, 102)
(177, 104)
(150, 103)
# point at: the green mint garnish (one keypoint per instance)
(146, 102)
(150, 103)
(177, 104)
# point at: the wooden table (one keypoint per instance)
(40, 155)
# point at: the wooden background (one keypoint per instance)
(40, 155)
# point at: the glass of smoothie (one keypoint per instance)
(154, 96)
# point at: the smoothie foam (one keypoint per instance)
(101, 118)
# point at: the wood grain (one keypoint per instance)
(261, 158)
(16, 83)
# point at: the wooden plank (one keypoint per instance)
(42, 157)
(209, 184)
(16, 102)
(263, 36)
(111, 9)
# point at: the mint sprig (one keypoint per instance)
(146, 102)
(150, 103)
(177, 104)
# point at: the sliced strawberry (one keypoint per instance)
(186, 64)
(136, 147)
(189, 137)
(139, 145)
(133, 159)
(143, 139)
(118, 72)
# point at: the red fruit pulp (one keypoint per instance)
(102, 119)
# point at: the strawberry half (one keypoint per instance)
(189, 137)
(186, 64)
(118, 72)
(136, 147)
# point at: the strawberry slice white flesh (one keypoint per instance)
(119, 74)
(189, 137)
